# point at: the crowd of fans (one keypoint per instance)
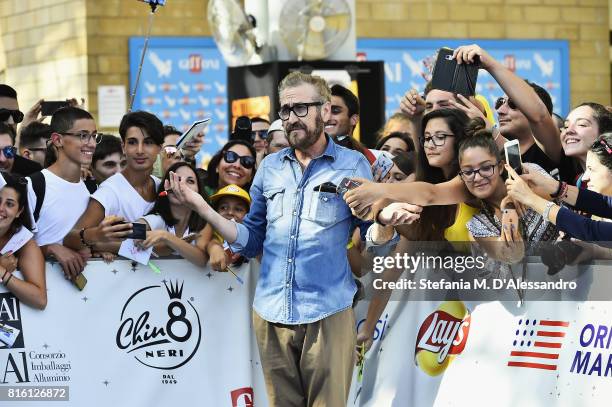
(448, 182)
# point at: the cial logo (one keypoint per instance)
(441, 337)
(242, 397)
(11, 331)
(159, 328)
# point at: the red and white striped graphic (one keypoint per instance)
(537, 344)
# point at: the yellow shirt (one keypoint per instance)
(458, 232)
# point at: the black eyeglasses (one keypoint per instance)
(6, 113)
(85, 136)
(261, 133)
(438, 140)
(245, 160)
(500, 102)
(300, 109)
(9, 151)
(486, 171)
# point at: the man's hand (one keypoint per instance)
(33, 114)
(112, 229)
(399, 213)
(469, 108)
(8, 261)
(412, 104)
(470, 54)
(193, 146)
(72, 262)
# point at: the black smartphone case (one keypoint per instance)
(452, 77)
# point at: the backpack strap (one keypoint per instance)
(39, 187)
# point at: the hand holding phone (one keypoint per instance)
(381, 167)
(452, 77)
(513, 156)
(346, 184)
(50, 107)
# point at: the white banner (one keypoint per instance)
(136, 338)
(543, 353)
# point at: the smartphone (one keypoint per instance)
(452, 77)
(80, 281)
(513, 156)
(196, 128)
(48, 108)
(383, 164)
(346, 185)
(139, 230)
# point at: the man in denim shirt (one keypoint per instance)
(302, 316)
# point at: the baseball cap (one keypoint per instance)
(277, 125)
(231, 190)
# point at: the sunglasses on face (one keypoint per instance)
(500, 102)
(6, 113)
(9, 151)
(246, 161)
(261, 133)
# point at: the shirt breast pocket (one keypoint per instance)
(274, 203)
(327, 209)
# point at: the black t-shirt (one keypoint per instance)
(24, 167)
(535, 155)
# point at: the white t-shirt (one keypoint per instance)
(118, 197)
(63, 205)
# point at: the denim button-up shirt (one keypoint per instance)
(305, 275)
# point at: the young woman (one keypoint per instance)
(125, 196)
(233, 164)
(596, 200)
(396, 143)
(498, 229)
(172, 226)
(443, 130)
(582, 126)
(15, 222)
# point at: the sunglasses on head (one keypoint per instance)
(6, 113)
(602, 142)
(499, 103)
(246, 161)
(9, 151)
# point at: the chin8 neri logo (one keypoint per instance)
(159, 328)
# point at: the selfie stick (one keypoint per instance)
(142, 56)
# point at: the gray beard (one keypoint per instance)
(304, 143)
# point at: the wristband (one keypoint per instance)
(559, 190)
(7, 280)
(3, 275)
(376, 218)
(547, 209)
(82, 236)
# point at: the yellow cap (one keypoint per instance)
(232, 190)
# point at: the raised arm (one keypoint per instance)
(418, 193)
(527, 101)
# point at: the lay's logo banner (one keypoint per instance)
(442, 335)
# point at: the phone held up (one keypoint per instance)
(513, 156)
(448, 75)
(50, 107)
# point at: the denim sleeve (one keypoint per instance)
(363, 170)
(582, 227)
(252, 231)
(594, 203)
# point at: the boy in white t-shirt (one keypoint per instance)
(65, 194)
(127, 195)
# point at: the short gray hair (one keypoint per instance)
(297, 78)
